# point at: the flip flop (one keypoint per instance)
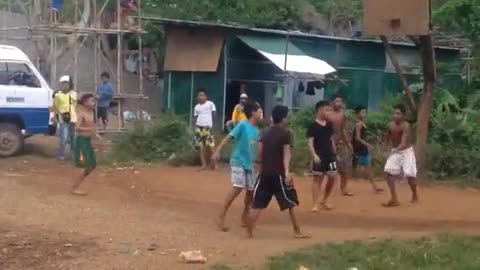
(391, 204)
(78, 193)
(301, 236)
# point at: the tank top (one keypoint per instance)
(358, 147)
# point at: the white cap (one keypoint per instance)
(65, 78)
(243, 95)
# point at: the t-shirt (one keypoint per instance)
(245, 151)
(66, 103)
(105, 93)
(273, 141)
(238, 114)
(203, 112)
(322, 143)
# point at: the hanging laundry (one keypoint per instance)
(310, 89)
(279, 92)
(131, 63)
(301, 87)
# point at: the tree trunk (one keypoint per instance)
(423, 116)
(400, 73)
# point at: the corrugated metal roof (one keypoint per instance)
(297, 33)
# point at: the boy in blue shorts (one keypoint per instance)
(361, 154)
(242, 161)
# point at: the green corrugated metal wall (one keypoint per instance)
(362, 64)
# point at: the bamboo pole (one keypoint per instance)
(75, 50)
(119, 63)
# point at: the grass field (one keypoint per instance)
(445, 252)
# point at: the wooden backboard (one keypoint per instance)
(396, 17)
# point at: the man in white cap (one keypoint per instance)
(64, 103)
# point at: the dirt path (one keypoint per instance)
(127, 211)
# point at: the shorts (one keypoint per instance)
(84, 153)
(102, 113)
(269, 185)
(324, 167)
(402, 163)
(203, 138)
(57, 5)
(242, 178)
(364, 160)
(344, 157)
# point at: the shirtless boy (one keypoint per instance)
(402, 158)
(274, 154)
(344, 147)
(321, 144)
(84, 153)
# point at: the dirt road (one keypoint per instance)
(167, 210)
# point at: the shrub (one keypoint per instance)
(167, 139)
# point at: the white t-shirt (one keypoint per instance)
(203, 112)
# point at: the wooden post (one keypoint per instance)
(400, 73)
(425, 108)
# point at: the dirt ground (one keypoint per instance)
(141, 218)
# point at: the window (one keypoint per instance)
(3, 73)
(18, 74)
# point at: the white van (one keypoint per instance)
(25, 98)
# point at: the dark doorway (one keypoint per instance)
(232, 98)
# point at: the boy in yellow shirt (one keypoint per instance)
(65, 108)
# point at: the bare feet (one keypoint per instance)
(414, 200)
(78, 192)
(221, 224)
(202, 169)
(347, 193)
(244, 220)
(315, 209)
(326, 206)
(391, 204)
(378, 190)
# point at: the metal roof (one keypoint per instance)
(296, 33)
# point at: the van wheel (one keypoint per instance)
(11, 140)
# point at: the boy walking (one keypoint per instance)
(361, 152)
(242, 162)
(402, 158)
(204, 115)
(321, 143)
(84, 153)
(105, 96)
(274, 153)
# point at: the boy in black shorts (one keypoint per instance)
(274, 153)
(321, 144)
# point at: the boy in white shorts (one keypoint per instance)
(402, 158)
(242, 161)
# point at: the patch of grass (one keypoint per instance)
(445, 252)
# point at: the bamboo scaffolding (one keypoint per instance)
(81, 34)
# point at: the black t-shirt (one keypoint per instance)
(322, 140)
(273, 141)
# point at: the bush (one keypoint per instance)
(167, 139)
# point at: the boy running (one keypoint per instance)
(84, 153)
(274, 153)
(204, 114)
(242, 161)
(321, 143)
(361, 153)
(402, 158)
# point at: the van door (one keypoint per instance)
(30, 96)
(7, 93)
